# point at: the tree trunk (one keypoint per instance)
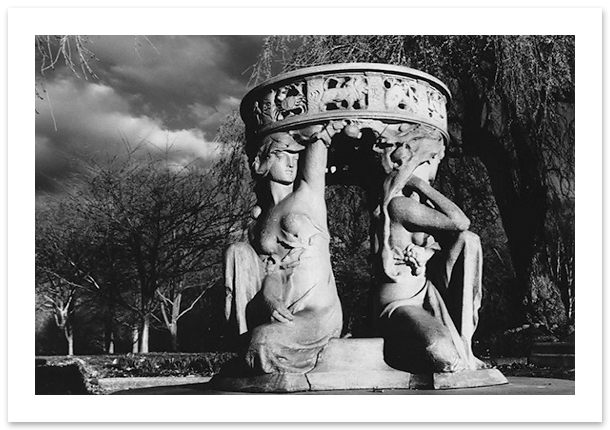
(173, 332)
(109, 342)
(70, 338)
(173, 328)
(109, 333)
(135, 339)
(144, 334)
(522, 203)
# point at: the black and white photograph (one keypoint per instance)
(310, 214)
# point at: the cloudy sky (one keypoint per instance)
(155, 91)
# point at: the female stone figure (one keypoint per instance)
(429, 277)
(280, 287)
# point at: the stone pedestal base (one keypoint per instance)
(356, 364)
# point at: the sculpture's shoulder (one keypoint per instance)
(400, 206)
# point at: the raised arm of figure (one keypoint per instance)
(445, 215)
(316, 155)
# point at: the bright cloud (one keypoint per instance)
(171, 93)
(93, 120)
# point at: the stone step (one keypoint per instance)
(553, 354)
(553, 348)
(553, 360)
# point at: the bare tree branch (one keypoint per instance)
(196, 300)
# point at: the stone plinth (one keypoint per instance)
(517, 386)
(356, 364)
(349, 364)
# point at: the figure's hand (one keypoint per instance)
(277, 309)
(417, 257)
(419, 188)
(324, 132)
(352, 131)
(291, 261)
(273, 290)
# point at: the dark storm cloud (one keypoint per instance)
(182, 80)
(158, 91)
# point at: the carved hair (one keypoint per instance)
(423, 143)
(262, 161)
(280, 141)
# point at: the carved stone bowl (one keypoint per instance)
(356, 92)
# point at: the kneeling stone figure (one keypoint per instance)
(280, 286)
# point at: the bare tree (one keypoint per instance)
(173, 308)
(60, 298)
(169, 223)
(60, 251)
(72, 49)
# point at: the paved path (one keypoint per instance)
(516, 386)
(111, 385)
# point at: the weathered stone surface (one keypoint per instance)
(359, 380)
(356, 364)
(268, 383)
(345, 91)
(348, 364)
(517, 386)
(352, 355)
(468, 379)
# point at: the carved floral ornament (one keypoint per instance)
(358, 92)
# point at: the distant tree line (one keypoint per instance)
(139, 241)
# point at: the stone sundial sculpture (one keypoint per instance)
(281, 293)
